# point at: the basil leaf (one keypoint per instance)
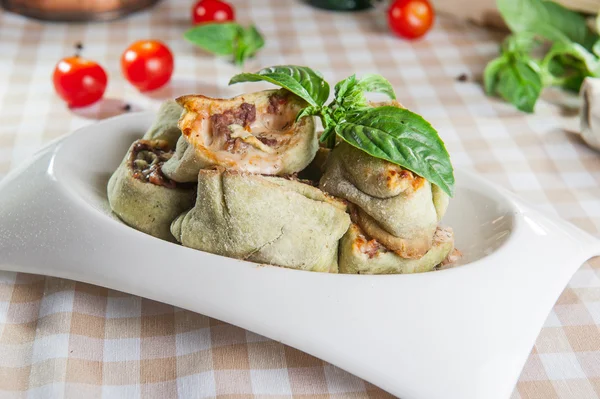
(374, 83)
(520, 83)
(349, 93)
(328, 137)
(588, 60)
(516, 46)
(227, 39)
(521, 43)
(248, 43)
(565, 72)
(547, 19)
(239, 54)
(344, 86)
(302, 81)
(327, 133)
(255, 38)
(573, 81)
(307, 111)
(490, 74)
(596, 48)
(556, 67)
(217, 38)
(566, 65)
(402, 137)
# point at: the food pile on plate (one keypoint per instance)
(247, 178)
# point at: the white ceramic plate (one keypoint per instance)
(461, 333)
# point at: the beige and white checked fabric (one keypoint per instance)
(60, 338)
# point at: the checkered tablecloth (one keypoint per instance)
(60, 338)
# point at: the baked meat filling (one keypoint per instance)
(146, 161)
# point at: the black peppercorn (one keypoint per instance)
(78, 48)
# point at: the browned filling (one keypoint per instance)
(267, 141)
(243, 116)
(147, 158)
(295, 177)
(276, 103)
(369, 247)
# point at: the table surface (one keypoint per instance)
(60, 338)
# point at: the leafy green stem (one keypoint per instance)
(571, 52)
(387, 132)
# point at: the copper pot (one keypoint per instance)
(75, 10)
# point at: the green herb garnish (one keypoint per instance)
(394, 134)
(519, 74)
(227, 39)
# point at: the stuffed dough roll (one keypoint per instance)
(359, 255)
(398, 208)
(264, 219)
(255, 132)
(141, 196)
(165, 126)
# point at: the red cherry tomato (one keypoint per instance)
(212, 11)
(410, 18)
(78, 81)
(147, 64)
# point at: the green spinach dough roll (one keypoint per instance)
(398, 208)
(358, 255)
(141, 196)
(255, 132)
(264, 219)
(165, 126)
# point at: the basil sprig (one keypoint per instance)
(228, 38)
(391, 133)
(518, 75)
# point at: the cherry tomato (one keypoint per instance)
(147, 64)
(78, 81)
(410, 18)
(212, 11)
